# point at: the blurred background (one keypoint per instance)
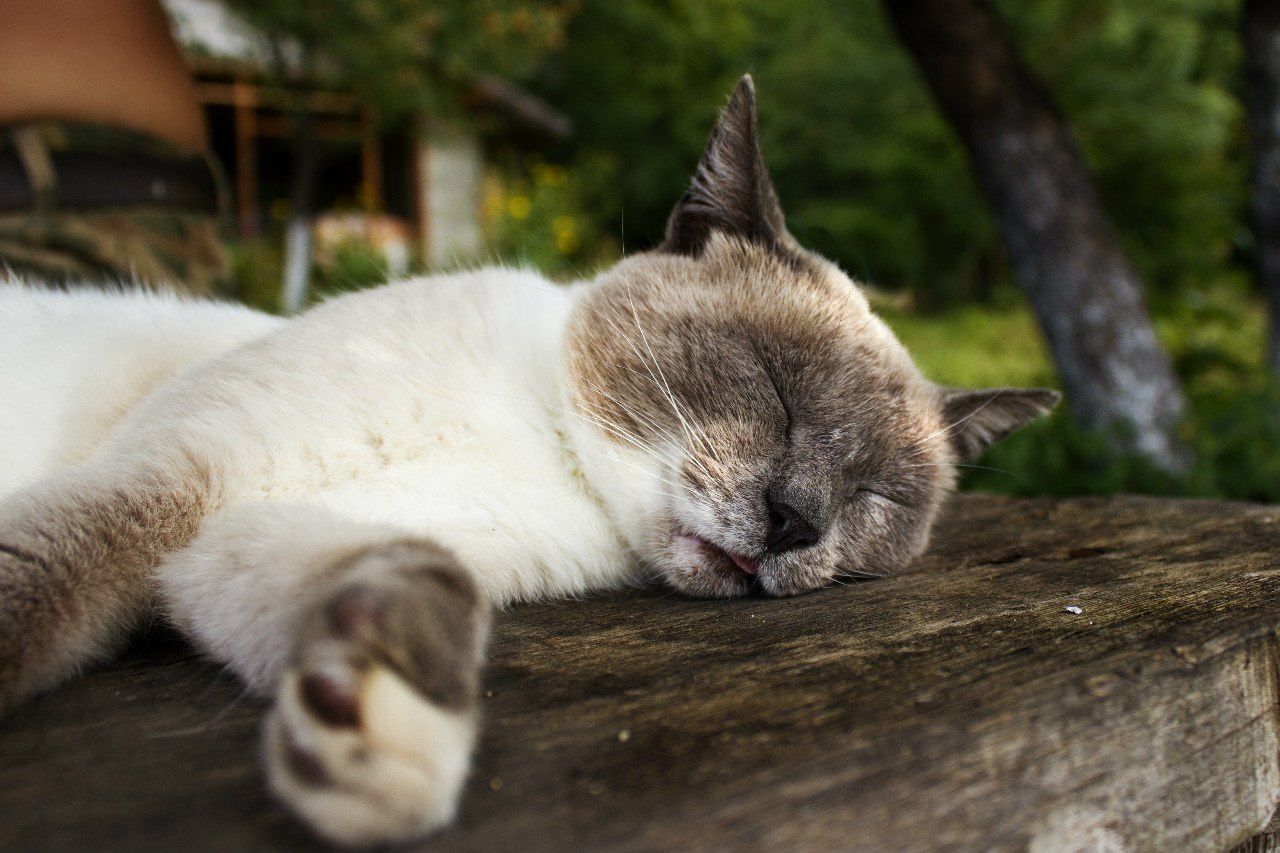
(1073, 193)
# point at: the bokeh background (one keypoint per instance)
(414, 135)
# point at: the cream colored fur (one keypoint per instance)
(431, 407)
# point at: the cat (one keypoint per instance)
(332, 504)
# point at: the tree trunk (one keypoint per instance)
(1087, 296)
(1260, 32)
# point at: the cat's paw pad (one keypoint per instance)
(371, 734)
(363, 757)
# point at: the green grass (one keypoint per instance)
(976, 347)
(1216, 340)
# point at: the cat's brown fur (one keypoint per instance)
(75, 567)
(798, 396)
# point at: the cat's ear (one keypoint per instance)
(731, 191)
(975, 420)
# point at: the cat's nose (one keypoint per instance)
(788, 527)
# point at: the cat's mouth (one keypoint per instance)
(727, 563)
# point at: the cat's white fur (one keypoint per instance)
(75, 362)
(435, 407)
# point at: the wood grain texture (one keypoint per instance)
(960, 707)
(1267, 841)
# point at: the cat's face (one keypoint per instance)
(773, 432)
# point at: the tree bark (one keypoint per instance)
(1086, 294)
(1260, 33)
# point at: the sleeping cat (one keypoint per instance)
(332, 504)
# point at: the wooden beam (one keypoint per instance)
(345, 130)
(246, 162)
(961, 707)
(370, 162)
(226, 93)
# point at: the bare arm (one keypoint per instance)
(113, 63)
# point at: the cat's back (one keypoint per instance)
(448, 342)
(76, 361)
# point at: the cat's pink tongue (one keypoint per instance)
(745, 564)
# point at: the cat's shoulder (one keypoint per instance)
(34, 308)
(493, 296)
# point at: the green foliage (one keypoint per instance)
(1150, 90)
(1233, 438)
(256, 267)
(403, 55)
(535, 216)
(1216, 339)
(642, 82)
(868, 171)
(976, 346)
(355, 265)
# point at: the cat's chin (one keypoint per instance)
(698, 567)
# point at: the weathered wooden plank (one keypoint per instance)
(959, 707)
(1267, 841)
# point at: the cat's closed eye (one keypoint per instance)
(782, 401)
(876, 495)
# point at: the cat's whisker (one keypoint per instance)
(646, 420)
(644, 471)
(643, 448)
(959, 465)
(652, 378)
(686, 425)
(664, 385)
(958, 424)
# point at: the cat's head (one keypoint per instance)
(753, 424)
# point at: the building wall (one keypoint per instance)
(451, 179)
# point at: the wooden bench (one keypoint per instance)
(1079, 674)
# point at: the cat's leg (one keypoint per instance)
(76, 554)
(370, 739)
(376, 685)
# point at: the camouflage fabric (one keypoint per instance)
(158, 246)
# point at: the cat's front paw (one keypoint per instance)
(371, 735)
(364, 758)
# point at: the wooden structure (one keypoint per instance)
(1071, 675)
(426, 172)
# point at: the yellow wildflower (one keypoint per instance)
(519, 207)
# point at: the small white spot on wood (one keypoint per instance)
(624, 735)
(1072, 609)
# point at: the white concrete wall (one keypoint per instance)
(451, 170)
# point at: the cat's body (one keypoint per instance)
(76, 362)
(331, 504)
(435, 406)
